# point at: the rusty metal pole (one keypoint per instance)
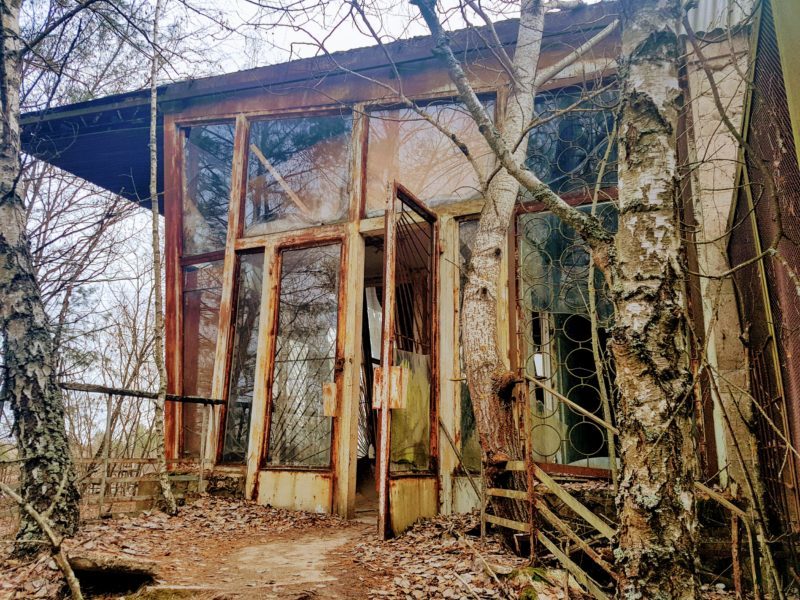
(106, 455)
(203, 449)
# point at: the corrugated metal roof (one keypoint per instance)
(711, 15)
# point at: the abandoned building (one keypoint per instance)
(317, 228)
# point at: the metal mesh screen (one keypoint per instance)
(772, 329)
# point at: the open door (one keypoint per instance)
(406, 382)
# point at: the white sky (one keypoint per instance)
(254, 37)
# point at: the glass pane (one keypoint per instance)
(555, 307)
(202, 292)
(243, 359)
(297, 173)
(405, 147)
(305, 352)
(470, 445)
(566, 151)
(208, 162)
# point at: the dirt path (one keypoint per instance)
(218, 549)
(299, 565)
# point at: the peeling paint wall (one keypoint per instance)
(714, 153)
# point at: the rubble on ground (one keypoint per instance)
(441, 558)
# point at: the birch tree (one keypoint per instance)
(30, 383)
(656, 550)
(158, 322)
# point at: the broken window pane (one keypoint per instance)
(470, 445)
(202, 292)
(566, 151)
(405, 147)
(554, 274)
(412, 342)
(208, 162)
(297, 173)
(243, 359)
(305, 353)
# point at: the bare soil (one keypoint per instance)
(226, 549)
(220, 549)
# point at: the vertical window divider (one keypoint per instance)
(259, 415)
(173, 326)
(358, 163)
(224, 329)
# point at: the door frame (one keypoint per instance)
(397, 192)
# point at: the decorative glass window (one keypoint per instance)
(566, 151)
(202, 292)
(297, 173)
(243, 359)
(556, 302)
(207, 170)
(405, 147)
(305, 355)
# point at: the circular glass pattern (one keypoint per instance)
(545, 440)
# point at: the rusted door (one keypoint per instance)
(406, 383)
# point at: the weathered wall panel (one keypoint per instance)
(296, 490)
(405, 513)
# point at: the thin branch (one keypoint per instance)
(587, 226)
(55, 540)
(31, 44)
(575, 55)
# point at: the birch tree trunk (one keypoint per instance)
(656, 494)
(30, 380)
(490, 381)
(158, 322)
(643, 267)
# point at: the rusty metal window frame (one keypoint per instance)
(276, 268)
(484, 95)
(350, 175)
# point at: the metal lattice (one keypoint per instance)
(771, 327)
(555, 307)
(412, 339)
(564, 309)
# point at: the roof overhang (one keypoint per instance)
(105, 141)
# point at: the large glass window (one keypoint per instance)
(243, 359)
(202, 291)
(407, 148)
(207, 169)
(297, 173)
(555, 307)
(305, 353)
(566, 150)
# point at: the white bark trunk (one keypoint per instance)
(30, 380)
(656, 501)
(158, 339)
(487, 374)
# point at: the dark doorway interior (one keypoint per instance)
(366, 486)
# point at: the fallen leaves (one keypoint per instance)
(437, 559)
(200, 530)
